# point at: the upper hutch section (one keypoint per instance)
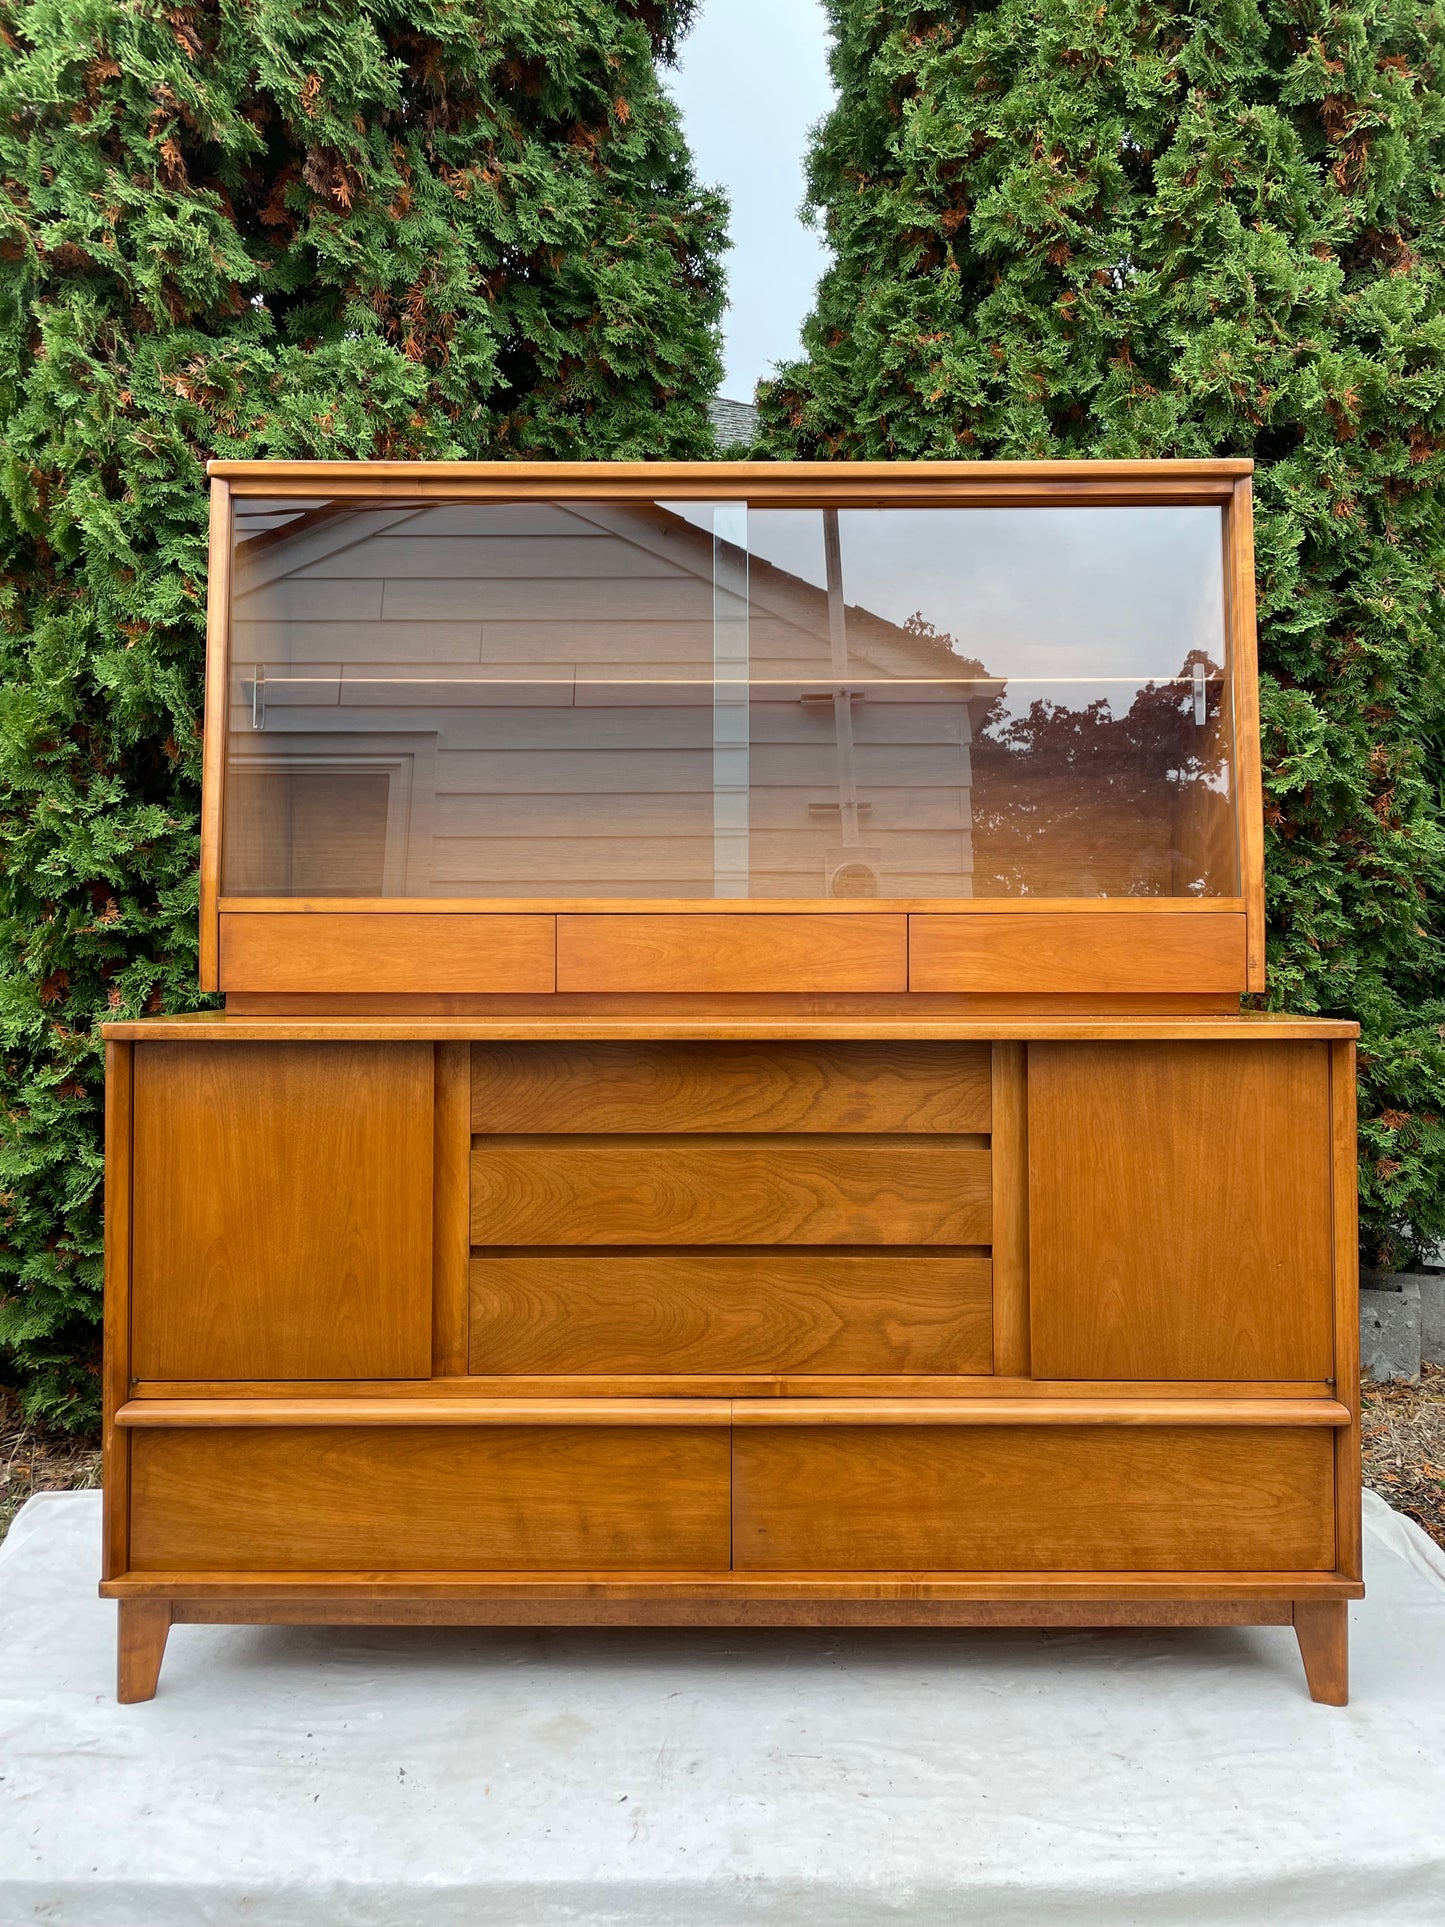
(617, 689)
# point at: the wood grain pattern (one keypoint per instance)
(1244, 690)
(629, 1087)
(283, 1208)
(422, 1408)
(702, 1019)
(388, 951)
(451, 1209)
(1345, 1231)
(1010, 1148)
(116, 1367)
(1079, 950)
(356, 1500)
(912, 1497)
(723, 952)
(762, 1311)
(213, 748)
(141, 1632)
(1180, 1211)
(728, 1385)
(730, 1190)
(1322, 1627)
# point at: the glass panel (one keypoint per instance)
(699, 699)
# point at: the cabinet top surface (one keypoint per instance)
(215, 1027)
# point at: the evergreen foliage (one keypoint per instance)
(359, 228)
(1187, 228)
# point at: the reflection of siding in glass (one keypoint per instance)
(656, 700)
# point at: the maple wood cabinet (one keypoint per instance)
(732, 1105)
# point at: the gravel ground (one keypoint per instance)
(1404, 1433)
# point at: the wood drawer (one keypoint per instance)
(771, 1311)
(730, 1190)
(1060, 1498)
(1037, 952)
(386, 951)
(732, 950)
(430, 1499)
(653, 1087)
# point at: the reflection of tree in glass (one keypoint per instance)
(1076, 801)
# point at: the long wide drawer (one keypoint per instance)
(431, 1499)
(1059, 1498)
(738, 1311)
(785, 1190)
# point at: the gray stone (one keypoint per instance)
(1432, 1316)
(1390, 1326)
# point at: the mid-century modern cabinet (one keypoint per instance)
(732, 1105)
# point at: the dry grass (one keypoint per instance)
(1404, 1432)
(33, 1460)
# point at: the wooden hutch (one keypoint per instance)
(732, 1106)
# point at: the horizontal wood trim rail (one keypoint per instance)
(731, 907)
(798, 483)
(214, 1027)
(1092, 1587)
(246, 1413)
(195, 1413)
(593, 1385)
(388, 950)
(1076, 950)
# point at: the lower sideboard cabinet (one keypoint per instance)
(852, 1327)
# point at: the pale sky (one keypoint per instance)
(751, 82)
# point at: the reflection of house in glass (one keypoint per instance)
(603, 700)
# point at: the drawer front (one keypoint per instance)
(1180, 1218)
(386, 951)
(398, 1499)
(282, 1203)
(825, 951)
(647, 1087)
(1037, 952)
(1065, 1498)
(730, 1190)
(771, 1311)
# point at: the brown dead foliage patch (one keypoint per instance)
(33, 1459)
(1404, 1438)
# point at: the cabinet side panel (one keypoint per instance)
(117, 1370)
(1346, 1174)
(283, 1211)
(1179, 1211)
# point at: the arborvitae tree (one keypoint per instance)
(366, 228)
(1190, 228)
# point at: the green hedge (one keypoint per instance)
(1210, 227)
(451, 228)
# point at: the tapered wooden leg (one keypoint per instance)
(144, 1624)
(1322, 1627)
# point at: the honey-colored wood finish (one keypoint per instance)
(283, 1211)
(115, 1469)
(1322, 1627)
(1179, 1218)
(743, 1311)
(1244, 652)
(451, 1230)
(218, 615)
(628, 1087)
(142, 1629)
(1346, 1307)
(345, 1499)
(1157, 1497)
(1150, 951)
(716, 1190)
(389, 951)
(825, 951)
(1010, 1149)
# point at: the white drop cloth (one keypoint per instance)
(456, 1778)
